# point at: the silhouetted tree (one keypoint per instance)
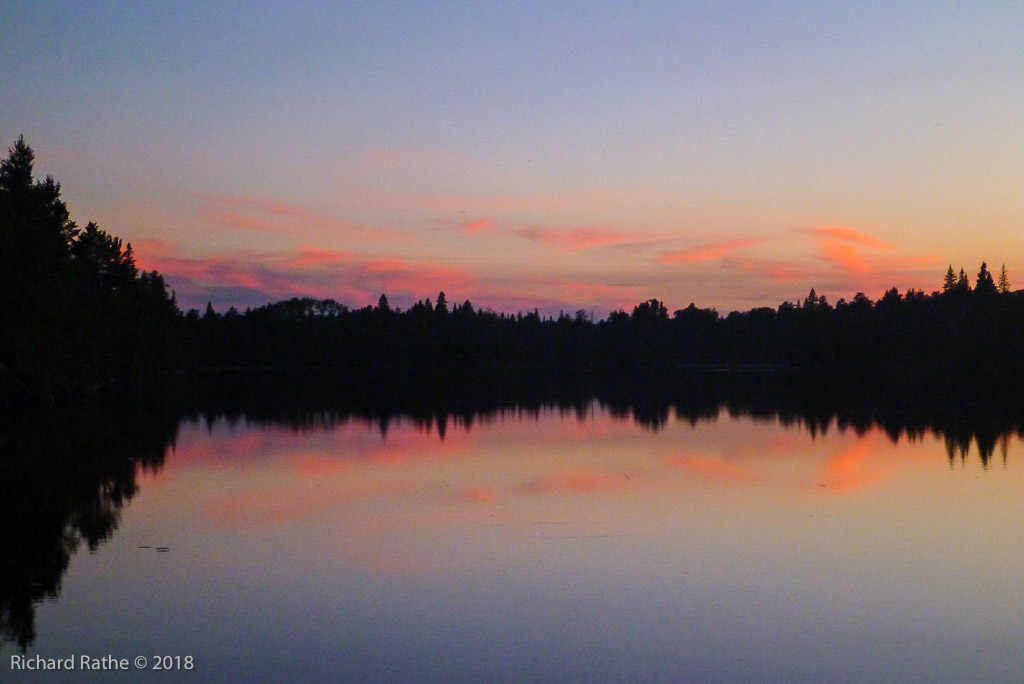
(949, 281)
(107, 265)
(963, 285)
(75, 313)
(651, 310)
(984, 285)
(1004, 281)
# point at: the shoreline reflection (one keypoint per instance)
(64, 484)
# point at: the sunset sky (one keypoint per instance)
(523, 155)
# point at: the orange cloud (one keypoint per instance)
(475, 227)
(845, 252)
(845, 255)
(709, 252)
(854, 236)
(778, 271)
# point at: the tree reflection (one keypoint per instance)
(63, 484)
(899, 407)
(65, 481)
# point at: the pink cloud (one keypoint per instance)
(575, 239)
(309, 256)
(414, 277)
(709, 252)
(308, 271)
(251, 278)
(256, 214)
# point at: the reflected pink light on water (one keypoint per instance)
(480, 495)
(854, 467)
(713, 467)
(576, 481)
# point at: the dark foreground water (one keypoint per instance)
(545, 545)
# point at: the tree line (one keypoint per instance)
(958, 328)
(76, 314)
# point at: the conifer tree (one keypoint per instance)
(984, 285)
(1004, 281)
(963, 285)
(949, 282)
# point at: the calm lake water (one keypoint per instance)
(551, 546)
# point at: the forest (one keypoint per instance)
(78, 316)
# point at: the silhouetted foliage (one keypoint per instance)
(960, 331)
(75, 312)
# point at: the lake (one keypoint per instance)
(578, 542)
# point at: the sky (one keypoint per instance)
(531, 155)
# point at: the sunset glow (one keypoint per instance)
(560, 157)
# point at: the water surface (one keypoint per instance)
(558, 544)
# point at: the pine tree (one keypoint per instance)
(1004, 281)
(811, 300)
(949, 282)
(963, 285)
(984, 285)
